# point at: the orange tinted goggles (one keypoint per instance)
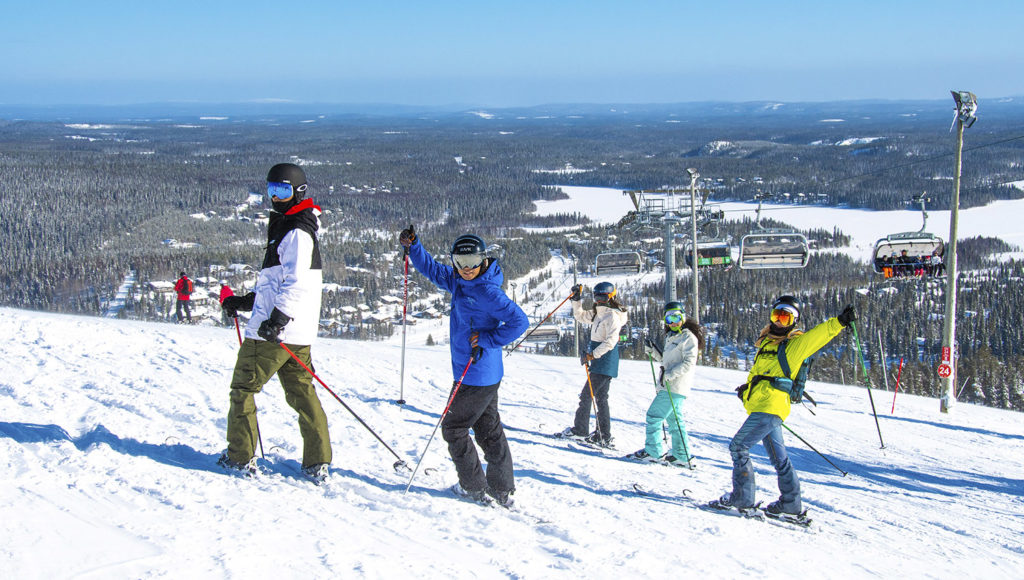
(782, 317)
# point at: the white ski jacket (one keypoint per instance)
(678, 362)
(605, 324)
(294, 286)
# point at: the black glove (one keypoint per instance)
(740, 390)
(408, 236)
(476, 353)
(577, 293)
(847, 316)
(232, 304)
(272, 327)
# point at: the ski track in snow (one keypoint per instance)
(110, 432)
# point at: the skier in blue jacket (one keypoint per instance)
(483, 319)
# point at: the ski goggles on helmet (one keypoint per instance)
(783, 315)
(673, 317)
(468, 261)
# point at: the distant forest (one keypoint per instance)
(86, 201)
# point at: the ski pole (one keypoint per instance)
(511, 350)
(679, 427)
(899, 372)
(813, 449)
(443, 415)
(397, 464)
(405, 306)
(593, 400)
(867, 381)
(256, 420)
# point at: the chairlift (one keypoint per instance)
(618, 262)
(908, 253)
(710, 252)
(768, 248)
(544, 334)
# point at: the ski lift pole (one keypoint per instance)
(434, 432)
(511, 350)
(814, 450)
(405, 308)
(867, 381)
(397, 464)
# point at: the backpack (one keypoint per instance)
(795, 387)
(187, 287)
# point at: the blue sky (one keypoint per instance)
(508, 53)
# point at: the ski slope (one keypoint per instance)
(109, 432)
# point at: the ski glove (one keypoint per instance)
(232, 304)
(577, 293)
(847, 316)
(741, 390)
(586, 357)
(272, 327)
(651, 348)
(476, 353)
(408, 236)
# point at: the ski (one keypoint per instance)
(800, 519)
(660, 461)
(512, 510)
(754, 513)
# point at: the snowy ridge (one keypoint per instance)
(110, 431)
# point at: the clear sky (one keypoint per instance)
(504, 53)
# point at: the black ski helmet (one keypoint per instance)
(675, 305)
(604, 292)
(292, 175)
(788, 303)
(468, 244)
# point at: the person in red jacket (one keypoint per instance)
(184, 288)
(225, 291)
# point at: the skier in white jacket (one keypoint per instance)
(684, 340)
(606, 320)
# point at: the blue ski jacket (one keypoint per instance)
(478, 305)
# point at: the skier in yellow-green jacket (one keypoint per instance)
(766, 397)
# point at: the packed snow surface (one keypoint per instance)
(110, 430)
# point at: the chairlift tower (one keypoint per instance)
(666, 207)
(966, 109)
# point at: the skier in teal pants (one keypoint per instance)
(684, 340)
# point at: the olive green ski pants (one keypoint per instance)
(258, 361)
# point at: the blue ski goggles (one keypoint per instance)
(282, 191)
(673, 317)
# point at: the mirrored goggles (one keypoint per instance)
(673, 317)
(468, 261)
(782, 317)
(279, 190)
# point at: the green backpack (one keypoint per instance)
(795, 387)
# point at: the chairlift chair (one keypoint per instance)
(544, 334)
(917, 244)
(710, 252)
(618, 262)
(768, 248)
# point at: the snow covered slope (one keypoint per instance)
(109, 431)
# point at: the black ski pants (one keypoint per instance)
(476, 408)
(581, 424)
